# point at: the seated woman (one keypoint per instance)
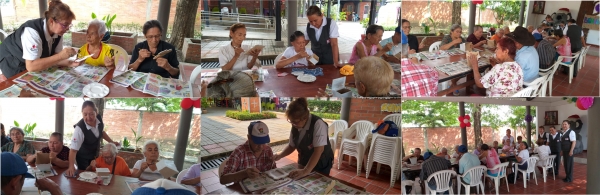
(370, 45)
(543, 152)
(373, 77)
(142, 56)
(192, 177)
(563, 45)
(477, 37)
(146, 169)
(296, 55)
(236, 56)
(108, 159)
(102, 54)
(18, 145)
(453, 40)
(505, 78)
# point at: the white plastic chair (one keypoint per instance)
(572, 64)
(442, 182)
(396, 118)
(582, 57)
(548, 164)
(180, 175)
(355, 147)
(551, 70)
(277, 59)
(120, 51)
(532, 88)
(501, 168)
(195, 73)
(475, 173)
(338, 126)
(435, 46)
(384, 150)
(403, 185)
(530, 169)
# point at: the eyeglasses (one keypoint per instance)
(294, 122)
(64, 26)
(154, 37)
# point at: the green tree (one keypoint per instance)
(183, 25)
(148, 105)
(504, 10)
(429, 114)
(476, 115)
(517, 119)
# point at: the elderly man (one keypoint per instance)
(108, 159)
(499, 34)
(431, 165)
(59, 154)
(477, 37)
(530, 29)
(455, 154)
(444, 154)
(466, 162)
(546, 51)
(527, 57)
(537, 33)
(252, 158)
(14, 172)
(373, 77)
(395, 40)
(416, 154)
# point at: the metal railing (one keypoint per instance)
(228, 19)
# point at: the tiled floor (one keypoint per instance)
(585, 84)
(578, 186)
(376, 184)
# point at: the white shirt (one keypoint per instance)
(553, 136)
(567, 28)
(147, 174)
(78, 136)
(333, 30)
(524, 154)
(572, 136)
(290, 52)
(512, 139)
(547, 136)
(319, 133)
(32, 42)
(227, 52)
(543, 152)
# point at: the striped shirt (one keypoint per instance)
(546, 52)
(243, 157)
(431, 165)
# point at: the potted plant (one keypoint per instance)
(126, 145)
(204, 105)
(28, 129)
(137, 139)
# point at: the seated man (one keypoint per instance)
(373, 77)
(192, 177)
(250, 159)
(395, 40)
(59, 154)
(431, 165)
(523, 156)
(108, 159)
(499, 34)
(455, 154)
(466, 162)
(537, 33)
(546, 52)
(418, 80)
(417, 155)
(526, 56)
(14, 172)
(444, 154)
(477, 37)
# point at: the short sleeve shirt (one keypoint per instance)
(24, 150)
(333, 30)
(291, 52)
(243, 157)
(418, 80)
(320, 136)
(148, 174)
(524, 155)
(121, 167)
(503, 80)
(512, 139)
(572, 136)
(395, 48)
(474, 39)
(150, 65)
(193, 172)
(226, 54)
(529, 60)
(447, 39)
(105, 52)
(62, 155)
(31, 42)
(78, 135)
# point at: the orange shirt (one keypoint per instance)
(496, 38)
(121, 167)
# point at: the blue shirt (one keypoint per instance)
(538, 36)
(466, 162)
(529, 60)
(389, 40)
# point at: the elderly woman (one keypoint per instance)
(369, 46)
(236, 56)
(454, 39)
(499, 34)
(142, 58)
(505, 78)
(373, 77)
(477, 37)
(88, 132)
(102, 54)
(19, 145)
(108, 159)
(146, 169)
(296, 55)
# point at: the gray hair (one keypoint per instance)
(477, 27)
(454, 27)
(101, 26)
(18, 129)
(444, 149)
(150, 142)
(110, 147)
(500, 30)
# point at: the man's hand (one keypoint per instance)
(252, 172)
(46, 184)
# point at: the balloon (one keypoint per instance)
(196, 103)
(580, 106)
(186, 103)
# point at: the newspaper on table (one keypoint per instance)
(41, 174)
(313, 184)
(105, 179)
(127, 78)
(59, 81)
(140, 83)
(434, 54)
(166, 87)
(135, 184)
(12, 91)
(454, 68)
(269, 179)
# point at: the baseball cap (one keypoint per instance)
(162, 186)
(462, 149)
(13, 164)
(259, 132)
(427, 155)
(398, 30)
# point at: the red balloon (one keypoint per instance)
(477, 2)
(579, 105)
(186, 103)
(197, 103)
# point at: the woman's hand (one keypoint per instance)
(276, 157)
(93, 164)
(255, 52)
(457, 41)
(238, 51)
(109, 62)
(473, 61)
(143, 54)
(144, 166)
(67, 53)
(421, 45)
(299, 173)
(303, 54)
(70, 171)
(163, 63)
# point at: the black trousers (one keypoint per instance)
(568, 162)
(82, 163)
(556, 162)
(575, 68)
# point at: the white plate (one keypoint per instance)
(297, 73)
(88, 175)
(307, 78)
(95, 90)
(94, 194)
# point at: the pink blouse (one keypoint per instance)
(565, 50)
(492, 160)
(354, 57)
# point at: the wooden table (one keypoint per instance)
(115, 90)
(70, 185)
(443, 77)
(289, 86)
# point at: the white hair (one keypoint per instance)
(101, 26)
(150, 142)
(110, 147)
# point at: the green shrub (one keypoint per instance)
(327, 115)
(324, 106)
(215, 9)
(242, 10)
(364, 22)
(389, 28)
(245, 115)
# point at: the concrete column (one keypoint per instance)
(261, 8)
(522, 13)
(278, 20)
(463, 131)
(43, 7)
(207, 16)
(593, 147)
(329, 8)
(527, 112)
(164, 10)
(345, 115)
(183, 133)
(59, 119)
(373, 8)
(234, 8)
(472, 13)
(292, 19)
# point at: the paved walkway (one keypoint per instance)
(220, 135)
(349, 34)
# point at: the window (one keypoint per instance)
(366, 11)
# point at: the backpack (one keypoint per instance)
(387, 128)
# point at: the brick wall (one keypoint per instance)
(191, 51)
(368, 109)
(250, 5)
(441, 12)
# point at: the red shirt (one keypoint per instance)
(63, 155)
(243, 157)
(419, 80)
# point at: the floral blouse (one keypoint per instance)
(503, 80)
(26, 148)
